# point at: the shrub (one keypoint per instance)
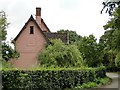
(58, 54)
(97, 83)
(49, 78)
(8, 52)
(5, 64)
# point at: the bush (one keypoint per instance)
(6, 65)
(49, 78)
(58, 54)
(97, 83)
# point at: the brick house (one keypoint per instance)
(32, 38)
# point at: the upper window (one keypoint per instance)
(31, 29)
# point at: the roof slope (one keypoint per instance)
(63, 36)
(42, 21)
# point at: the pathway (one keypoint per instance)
(115, 84)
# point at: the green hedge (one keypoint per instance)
(49, 78)
(112, 69)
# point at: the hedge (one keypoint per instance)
(49, 79)
(112, 69)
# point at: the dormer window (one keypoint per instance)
(31, 29)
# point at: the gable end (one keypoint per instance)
(30, 19)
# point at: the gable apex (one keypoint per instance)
(31, 18)
(34, 21)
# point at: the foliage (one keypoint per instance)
(7, 51)
(50, 78)
(92, 51)
(113, 32)
(109, 52)
(58, 54)
(110, 5)
(111, 38)
(98, 82)
(112, 35)
(73, 36)
(3, 24)
(87, 85)
(6, 65)
(111, 68)
(117, 60)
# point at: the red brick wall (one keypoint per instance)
(29, 46)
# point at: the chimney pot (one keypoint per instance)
(38, 16)
(38, 11)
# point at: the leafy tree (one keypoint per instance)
(109, 53)
(110, 6)
(58, 54)
(111, 37)
(92, 51)
(73, 36)
(7, 51)
(113, 28)
(3, 25)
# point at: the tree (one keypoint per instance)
(109, 48)
(112, 34)
(113, 27)
(58, 54)
(73, 36)
(3, 25)
(110, 6)
(7, 51)
(92, 52)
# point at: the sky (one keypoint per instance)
(82, 16)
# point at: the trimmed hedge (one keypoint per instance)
(49, 78)
(112, 69)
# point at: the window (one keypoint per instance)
(31, 29)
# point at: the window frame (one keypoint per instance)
(31, 31)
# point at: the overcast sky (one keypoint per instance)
(82, 16)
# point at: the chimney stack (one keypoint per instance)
(38, 15)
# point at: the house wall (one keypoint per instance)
(29, 46)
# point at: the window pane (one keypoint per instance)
(31, 30)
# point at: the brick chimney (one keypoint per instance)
(38, 15)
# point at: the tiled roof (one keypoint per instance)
(63, 36)
(42, 21)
